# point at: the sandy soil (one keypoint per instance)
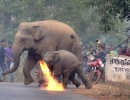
(107, 91)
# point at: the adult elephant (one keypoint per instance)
(38, 38)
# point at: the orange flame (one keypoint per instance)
(52, 84)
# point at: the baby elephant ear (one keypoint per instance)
(37, 32)
(56, 57)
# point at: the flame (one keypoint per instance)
(52, 84)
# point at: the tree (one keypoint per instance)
(112, 12)
(13, 12)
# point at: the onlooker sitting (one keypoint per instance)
(112, 52)
(123, 51)
(128, 50)
(101, 53)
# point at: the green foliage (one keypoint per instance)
(112, 12)
(14, 11)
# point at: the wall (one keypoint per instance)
(117, 68)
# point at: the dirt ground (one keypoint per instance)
(107, 91)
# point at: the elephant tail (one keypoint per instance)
(84, 78)
(81, 63)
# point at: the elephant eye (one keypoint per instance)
(57, 69)
(22, 40)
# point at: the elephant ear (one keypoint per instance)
(56, 57)
(37, 33)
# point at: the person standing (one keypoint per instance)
(2, 59)
(106, 51)
(92, 51)
(10, 59)
(85, 67)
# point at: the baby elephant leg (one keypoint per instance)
(75, 82)
(65, 80)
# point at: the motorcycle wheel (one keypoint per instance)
(94, 77)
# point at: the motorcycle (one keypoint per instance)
(96, 71)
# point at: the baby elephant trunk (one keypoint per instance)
(84, 78)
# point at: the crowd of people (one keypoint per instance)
(6, 59)
(101, 51)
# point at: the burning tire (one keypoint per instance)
(94, 77)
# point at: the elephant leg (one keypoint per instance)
(76, 49)
(73, 79)
(84, 77)
(65, 80)
(29, 64)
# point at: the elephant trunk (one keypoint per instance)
(16, 63)
(84, 78)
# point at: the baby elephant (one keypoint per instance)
(65, 63)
